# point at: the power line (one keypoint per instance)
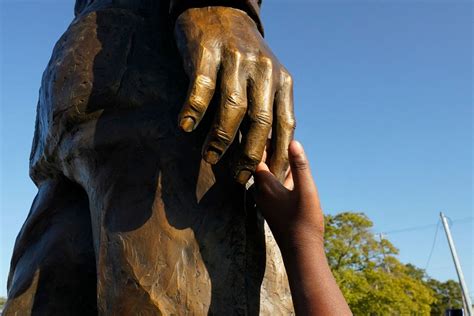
(402, 230)
(421, 227)
(463, 220)
(433, 245)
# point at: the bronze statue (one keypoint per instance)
(129, 219)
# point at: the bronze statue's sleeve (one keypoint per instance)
(252, 7)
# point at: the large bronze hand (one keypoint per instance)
(222, 46)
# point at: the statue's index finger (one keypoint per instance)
(201, 89)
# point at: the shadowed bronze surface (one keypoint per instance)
(116, 228)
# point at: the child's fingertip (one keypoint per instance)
(295, 148)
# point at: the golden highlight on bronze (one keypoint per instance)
(226, 58)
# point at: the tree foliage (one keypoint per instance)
(447, 294)
(372, 279)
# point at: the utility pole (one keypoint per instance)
(465, 293)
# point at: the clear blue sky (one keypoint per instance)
(383, 102)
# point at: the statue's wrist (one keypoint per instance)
(212, 14)
(241, 6)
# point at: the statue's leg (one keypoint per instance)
(146, 220)
(53, 264)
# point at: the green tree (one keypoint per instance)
(371, 278)
(447, 294)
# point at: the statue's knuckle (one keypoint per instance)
(286, 78)
(204, 81)
(236, 54)
(263, 119)
(222, 136)
(250, 57)
(267, 62)
(197, 102)
(288, 123)
(205, 50)
(235, 100)
(254, 158)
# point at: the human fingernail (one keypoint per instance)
(296, 148)
(211, 157)
(187, 124)
(243, 176)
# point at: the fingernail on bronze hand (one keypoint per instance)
(187, 124)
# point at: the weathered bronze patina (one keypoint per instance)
(129, 219)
